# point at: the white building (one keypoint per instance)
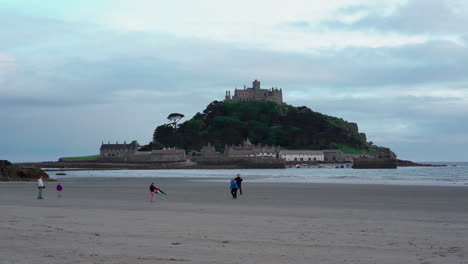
(302, 155)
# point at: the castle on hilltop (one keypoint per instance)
(255, 94)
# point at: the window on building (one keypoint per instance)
(295, 159)
(310, 158)
(302, 159)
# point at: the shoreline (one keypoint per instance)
(437, 176)
(86, 167)
(208, 180)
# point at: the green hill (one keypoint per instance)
(265, 123)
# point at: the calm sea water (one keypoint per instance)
(456, 174)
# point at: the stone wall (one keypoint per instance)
(166, 155)
(244, 162)
(159, 156)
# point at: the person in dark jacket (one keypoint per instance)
(233, 187)
(238, 180)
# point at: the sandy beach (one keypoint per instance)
(112, 221)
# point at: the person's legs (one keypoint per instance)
(234, 193)
(240, 189)
(152, 197)
(39, 195)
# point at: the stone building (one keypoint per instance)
(302, 155)
(267, 151)
(352, 157)
(129, 153)
(244, 150)
(333, 155)
(117, 151)
(160, 155)
(209, 150)
(247, 149)
(255, 93)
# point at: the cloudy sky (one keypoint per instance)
(75, 73)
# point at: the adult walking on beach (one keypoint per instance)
(152, 189)
(40, 186)
(239, 180)
(233, 187)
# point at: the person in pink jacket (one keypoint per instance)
(59, 189)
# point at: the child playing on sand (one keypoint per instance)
(59, 189)
(233, 187)
(152, 191)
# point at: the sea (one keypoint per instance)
(454, 174)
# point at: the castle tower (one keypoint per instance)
(228, 96)
(256, 85)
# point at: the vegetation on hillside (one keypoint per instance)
(265, 123)
(82, 157)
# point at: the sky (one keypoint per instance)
(76, 73)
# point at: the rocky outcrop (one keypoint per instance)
(10, 172)
(407, 163)
(374, 163)
(4, 163)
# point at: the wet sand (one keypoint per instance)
(112, 221)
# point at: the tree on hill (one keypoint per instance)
(151, 146)
(174, 118)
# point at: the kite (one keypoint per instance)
(159, 191)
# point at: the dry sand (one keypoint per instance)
(112, 221)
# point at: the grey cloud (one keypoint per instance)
(416, 16)
(21, 32)
(464, 39)
(354, 67)
(402, 107)
(114, 62)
